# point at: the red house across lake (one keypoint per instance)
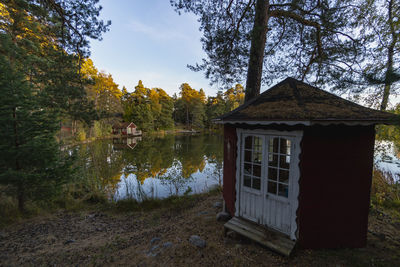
(298, 168)
(125, 128)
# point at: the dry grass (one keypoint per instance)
(385, 191)
(108, 237)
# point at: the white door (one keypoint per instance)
(251, 195)
(281, 177)
(269, 179)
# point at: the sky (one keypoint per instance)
(149, 41)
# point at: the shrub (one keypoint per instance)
(385, 190)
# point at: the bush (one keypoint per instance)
(385, 190)
(81, 135)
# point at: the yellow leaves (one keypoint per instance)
(104, 84)
(23, 26)
(88, 69)
(234, 96)
(190, 95)
(5, 17)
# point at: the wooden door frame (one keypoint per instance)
(293, 184)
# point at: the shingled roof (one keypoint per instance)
(122, 125)
(297, 102)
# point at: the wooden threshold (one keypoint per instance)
(272, 239)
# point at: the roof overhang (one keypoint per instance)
(291, 123)
(304, 122)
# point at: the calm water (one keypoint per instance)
(158, 167)
(387, 158)
(154, 167)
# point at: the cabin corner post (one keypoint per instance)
(229, 172)
(370, 146)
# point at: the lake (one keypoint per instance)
(158, 167)
(153, 167)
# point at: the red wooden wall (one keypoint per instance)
(336, 172)
(229, 180)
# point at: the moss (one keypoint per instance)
(295, 100)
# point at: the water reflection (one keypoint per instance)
(125, 142)
(387, 157)
(153, 167)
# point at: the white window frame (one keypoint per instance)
(251, 189)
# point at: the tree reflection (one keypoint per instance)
(171, 160)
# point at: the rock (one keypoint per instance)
(218, 204)
(153, 248)
(202, 213)
(238, 246)
(223, 216)
(69, 241)
(197, 241)
(167, 245)
(155, 240)
(153, 251)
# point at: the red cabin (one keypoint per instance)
(125, 128)
(298, 161)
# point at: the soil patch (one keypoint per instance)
(161, 238)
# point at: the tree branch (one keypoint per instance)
(303, 21)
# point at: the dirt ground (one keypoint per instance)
(161, 238)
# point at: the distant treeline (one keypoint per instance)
(151, 109)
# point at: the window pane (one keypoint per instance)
(247, 156)
(275, 144)
(257, 157)
(272, 187)
(284, 146)
(284, 162)
(257, 143)
(272, 174)
(271, 145)
(247, 168)
(273, 160)
(257, 170)
(283, 190)
(247, 181)
(283, 176)
(248, 142)
(256, 183)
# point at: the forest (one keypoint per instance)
(49, 82)
(151, 109)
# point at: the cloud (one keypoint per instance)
(159, 33)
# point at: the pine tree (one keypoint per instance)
(41, 44)
(31, 164)
(309, 40)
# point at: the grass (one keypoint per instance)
(385, 192)
(94, 201)
(173, 203)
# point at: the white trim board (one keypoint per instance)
(305, 123)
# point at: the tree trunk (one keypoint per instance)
(389, 66)
(258, 39)
(20, 187)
